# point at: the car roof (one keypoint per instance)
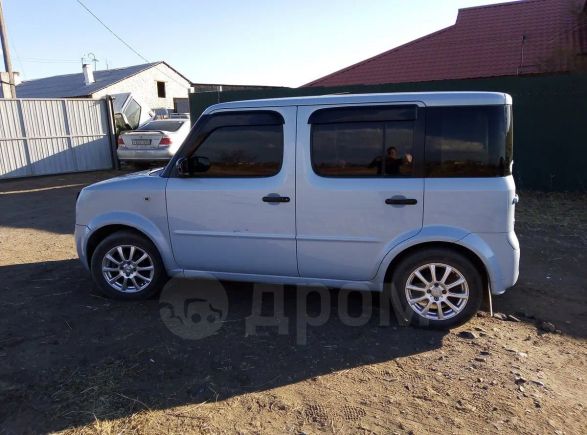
(425, 98)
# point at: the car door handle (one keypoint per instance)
(401, 201)
(275, 198)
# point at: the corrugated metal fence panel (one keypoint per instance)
(13, 151)
(51, 136)
(43, 118)
(88, 126)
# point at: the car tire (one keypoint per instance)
(443, 301)
(127, 266)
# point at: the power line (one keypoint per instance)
(18, 58)
(127, 44)
(112, 31)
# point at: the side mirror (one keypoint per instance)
(183, 167)
(186, 167)
(200, 164)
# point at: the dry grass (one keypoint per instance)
(565, 212)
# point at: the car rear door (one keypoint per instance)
(359, 186)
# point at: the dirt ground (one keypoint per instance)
(74, 362)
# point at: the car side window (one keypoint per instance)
(363, 149)
(468, 141)
(242, 151)
(347, 149)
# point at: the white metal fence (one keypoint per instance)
(52, 136)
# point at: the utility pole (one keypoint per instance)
(6, 54)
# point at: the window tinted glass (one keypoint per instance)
(243, 151)
(347, 149)
(363, 149)
(468, 141)
(162, 125)
(399, 143)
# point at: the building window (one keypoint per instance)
(161, 89)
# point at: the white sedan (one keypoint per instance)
(156, 140)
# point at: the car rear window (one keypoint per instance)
(468, 141)
(162, 125)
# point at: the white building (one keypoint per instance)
(154, 84)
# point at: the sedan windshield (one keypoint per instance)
(162, 125)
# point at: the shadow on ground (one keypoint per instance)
(45, 203)
(69, 355)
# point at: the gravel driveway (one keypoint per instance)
(73, 361)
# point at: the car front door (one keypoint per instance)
(359, 187)
(234, 212)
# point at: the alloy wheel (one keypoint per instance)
(128, 268)
(437, 291)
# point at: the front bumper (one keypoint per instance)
(150, 154)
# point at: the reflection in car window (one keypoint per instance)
(363, 149)
(243, 151)
(468, 141)
(399, 143)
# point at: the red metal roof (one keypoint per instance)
(522, 37)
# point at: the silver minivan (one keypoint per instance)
(408, 191)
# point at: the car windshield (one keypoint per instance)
(162, 125)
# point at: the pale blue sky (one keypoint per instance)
(270, 42)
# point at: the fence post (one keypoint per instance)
(25, 138)
(112, 132)
(68, 138)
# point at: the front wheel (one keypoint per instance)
(128, 266)
(436, 288)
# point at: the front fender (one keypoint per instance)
(157, 233)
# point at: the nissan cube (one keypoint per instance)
(411, 192)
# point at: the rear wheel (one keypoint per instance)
(126, 265)
(437, 288)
